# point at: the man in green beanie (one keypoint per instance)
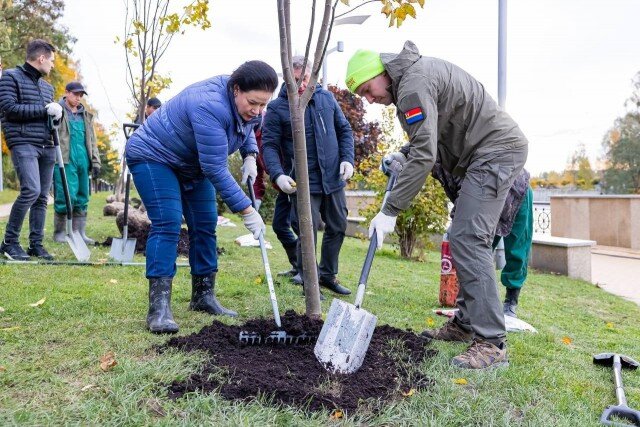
(448, 114)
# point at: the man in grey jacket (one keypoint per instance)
(448, 114)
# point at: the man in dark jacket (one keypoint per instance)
(330, 163)
(81, 158)
(26, 106)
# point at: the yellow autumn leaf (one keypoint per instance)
(566, 340)
(9, 329)
(39, 303)
(460, 381)
(337, 414)
(87, 387)
(430, 322)
(108, 361)
(411, 392)
(113, 281)
(610, 325)
(258, 280)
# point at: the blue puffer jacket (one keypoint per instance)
(194, 133)
(23, 96)
(328, 134)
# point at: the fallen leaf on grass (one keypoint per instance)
(430, 322)
(154, 406)
(39, 303)
(460, 381)
(610, 325)
(113, 281)
(566, 340)
(108, 361)
(409, 393)
(11, 328)
(2, 368)
(337, 414)
(258, 280)
(1, 310)
(87, 387)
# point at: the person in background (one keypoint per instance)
(330, 154)
(178, 159)
(26, 107)
(81, 162)
(153, 104)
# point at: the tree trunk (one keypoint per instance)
(305, 220)
(407, 241)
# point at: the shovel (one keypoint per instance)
(73, 238)
(278, 336)
(122, 250)
(346, 334)
(621, 410)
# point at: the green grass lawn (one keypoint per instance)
(49, 355)
(8, 196)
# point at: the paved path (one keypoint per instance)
(5, 210)
(617, 270)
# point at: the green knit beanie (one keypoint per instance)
(363, 66)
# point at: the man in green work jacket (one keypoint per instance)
(448, 114)
(81, 162)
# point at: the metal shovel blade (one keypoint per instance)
(345, 337)
(78, 246)
(122, 250)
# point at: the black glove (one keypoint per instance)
(95, 171)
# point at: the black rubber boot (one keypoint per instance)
(59, 227)
(203, 296)
(160, 318)
(80, 225)
(293, 260)
(511, 302)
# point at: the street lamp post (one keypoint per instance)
(354, 20)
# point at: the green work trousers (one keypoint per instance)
(77, 171)
(517, 245)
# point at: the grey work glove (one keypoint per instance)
(254, 223)
(286, 184)
(257, 204)
(393, 162)
(346, 171)
(54, 110)
(249, 169)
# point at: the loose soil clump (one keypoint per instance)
(291, 375)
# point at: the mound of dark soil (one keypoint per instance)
(291, 375)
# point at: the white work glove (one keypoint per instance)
(257, 204)
(249, 169)
(286, 184)
(393, 162)
(382, 225)
(254, 223)
(54, 109)
(346, 171)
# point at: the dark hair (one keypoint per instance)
(38, 47)
(154, 102)
(254, 75)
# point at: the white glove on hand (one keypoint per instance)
(254, 223)
(382, 225)
(393, 162)
(249, 169)
(346, 171)
(286, 184)
(54, 109)
(258, 203)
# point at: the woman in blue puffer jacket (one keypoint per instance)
(178, 159)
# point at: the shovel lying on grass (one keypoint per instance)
(73, 238)
(621, 410)
(278, 336)
(346, 334)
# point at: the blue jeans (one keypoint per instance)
(167, 200)
(34, 167)
(284, 220)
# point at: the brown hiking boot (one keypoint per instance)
(482, 355)
(450, 331)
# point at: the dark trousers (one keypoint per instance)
(34, 167)
(332, 209)
(284, 221)
(167, 200)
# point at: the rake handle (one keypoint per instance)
(373, 243)
(265, 261)
(63, 175)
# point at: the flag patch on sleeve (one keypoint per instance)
(414, 115)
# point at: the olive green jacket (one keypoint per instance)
(444, 110)
(89, 133)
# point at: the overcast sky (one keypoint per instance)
(570, 62)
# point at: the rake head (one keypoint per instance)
(275, 337)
